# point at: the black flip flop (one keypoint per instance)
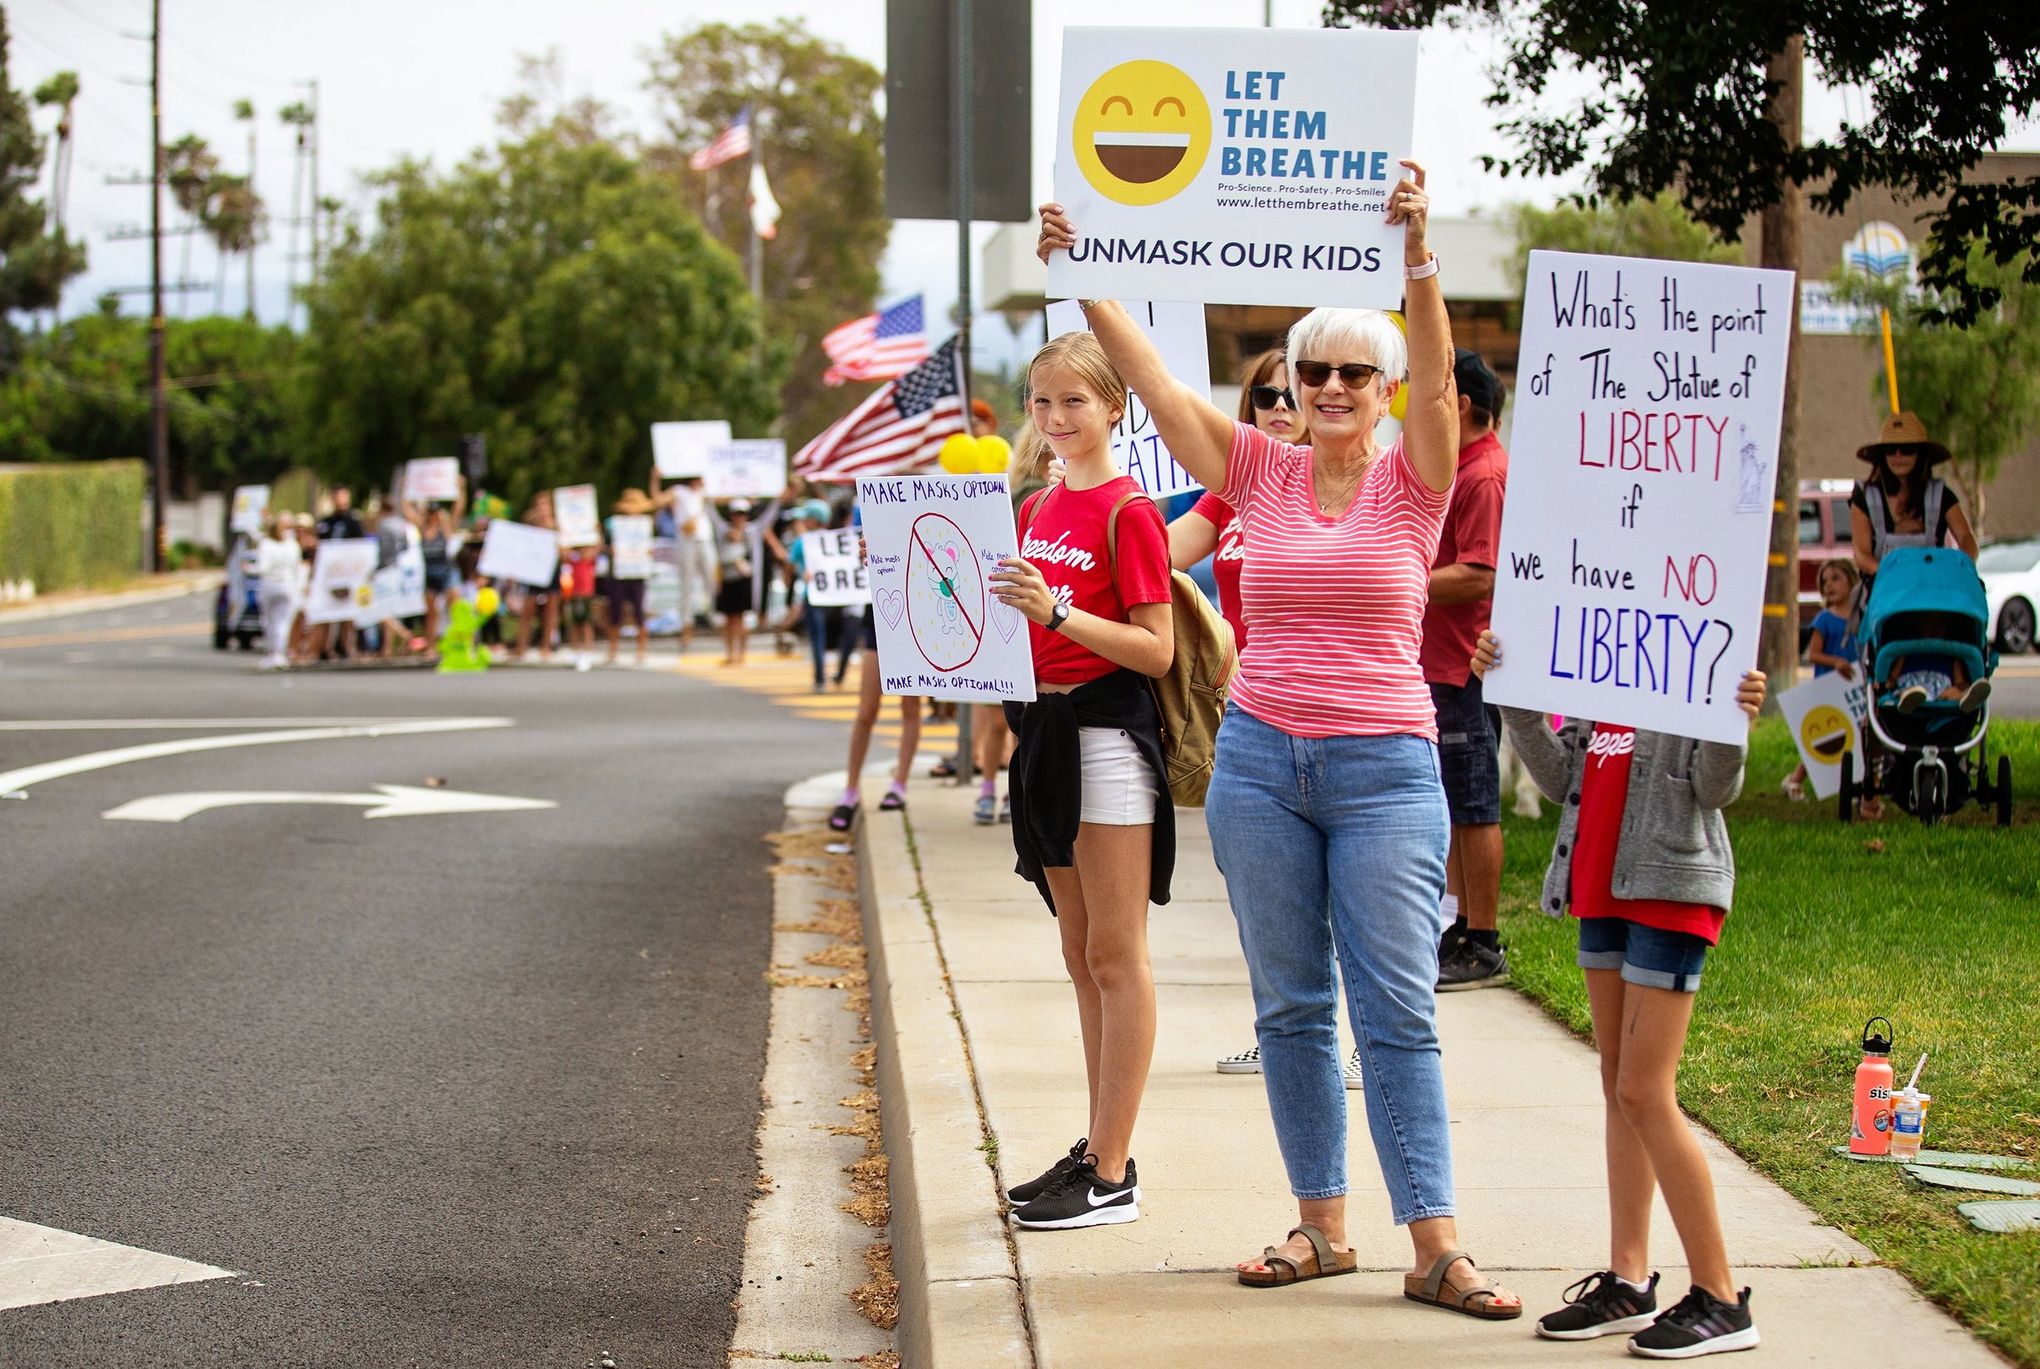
(841, 818)
(892, 802)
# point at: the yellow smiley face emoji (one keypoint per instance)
(1141, 132)
(1827, 733)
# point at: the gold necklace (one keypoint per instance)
(1343, 500)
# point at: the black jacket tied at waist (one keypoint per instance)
(1047, 778)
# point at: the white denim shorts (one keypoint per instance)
(1119, 784)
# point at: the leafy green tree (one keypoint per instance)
(1976, 388)
(820, 137)
(548, 294)
(1655, 227)
(34, 261)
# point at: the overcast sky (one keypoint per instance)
(422, 78)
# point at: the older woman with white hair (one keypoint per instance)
(1326, 810)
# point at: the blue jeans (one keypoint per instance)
(1337, 845)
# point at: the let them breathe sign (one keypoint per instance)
(1630, 582)
(1233, 166)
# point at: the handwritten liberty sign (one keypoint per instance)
(1630, 583)
(1177, 331)
(931, 542)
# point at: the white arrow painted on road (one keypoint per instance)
(392, 801)
(40, 1264)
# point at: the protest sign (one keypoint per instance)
(630, 546)
(341, 570)
(251, 502)
(397, 591)
(681, 449)
(432, 479)
(1177, 331)
(1629, 586)
(835, 576)
(575, 515)
(1825, 716)
(748, 468)
(1233, 166)
(930, 542)
(520, 552)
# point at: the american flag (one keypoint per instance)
(878, 346)
(898, 430)
(733, 142)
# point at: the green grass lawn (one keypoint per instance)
(1937, 929)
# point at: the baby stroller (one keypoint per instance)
(237, 610)
(1934, 757)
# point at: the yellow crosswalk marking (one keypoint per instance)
(789, 683)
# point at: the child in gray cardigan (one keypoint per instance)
(1642, 860)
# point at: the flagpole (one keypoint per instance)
(963, 143)
(757, 241)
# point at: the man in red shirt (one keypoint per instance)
(1470, 954)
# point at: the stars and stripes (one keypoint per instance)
(898, 430)
(878, 346)
(733, 142)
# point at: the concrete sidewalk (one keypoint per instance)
(979, 1059)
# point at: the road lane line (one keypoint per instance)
(102, 760)
(190, 724)
(99, 638)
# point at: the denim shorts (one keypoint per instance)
(1469, 738)
(1645, 955)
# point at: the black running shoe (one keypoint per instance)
(1600, 1305)
(1699, 1324)
(1034, 1188)
(1474, 966)
(1082, 1198)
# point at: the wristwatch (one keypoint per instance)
(1057, 616)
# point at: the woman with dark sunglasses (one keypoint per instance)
(1326, 810)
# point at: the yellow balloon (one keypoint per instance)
(959, 454)
(993, 452)
(487, 601)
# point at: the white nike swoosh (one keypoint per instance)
(1095, 1201)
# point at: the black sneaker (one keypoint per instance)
(1698, 1324)
(1474, 966)
(1034, 1188)
(1451, 939)
(1082, 1198)
(1600, 1305)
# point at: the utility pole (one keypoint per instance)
(159, 414)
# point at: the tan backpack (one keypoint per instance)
(1190, 698)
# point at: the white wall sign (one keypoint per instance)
(681, 449)
(748, 468)
(251, 502)
(630, 546)
(1233, 166)
(396, 592)
(1825, 716)
(1629, 586)
(432, 479)
(520, 552)
(836, 578)
(341, 569)
(1177, 331)
(931, 541)
(580, 525)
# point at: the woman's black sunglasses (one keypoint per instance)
(1354, 373)
(1267, 397)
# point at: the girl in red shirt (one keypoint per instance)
(1092, 823)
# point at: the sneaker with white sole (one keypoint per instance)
(1020, 1194)
(1247, 1061)
(1475, 965)
(985, 811)
(1083, 1197)
(1601, 1305)
(1350, 1071)
(1698, 1324)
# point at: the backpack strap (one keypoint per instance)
(1931, 514)
(1112, 536)
(1880, 517)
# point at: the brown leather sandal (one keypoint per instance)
(1434, 1290)
(1324, 1263)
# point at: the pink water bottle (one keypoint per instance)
(1870, 1123)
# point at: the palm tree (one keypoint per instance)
(189, 167)
(244, 110)
(60, 90)
(296, 116)
(233, 219)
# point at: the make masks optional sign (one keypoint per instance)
(1233, 166)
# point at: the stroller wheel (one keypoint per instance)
(2002, 791)
(1928, 796)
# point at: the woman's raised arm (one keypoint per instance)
(1431, 422)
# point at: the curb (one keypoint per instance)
(198, 582)
(960, 1292)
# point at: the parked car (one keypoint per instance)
(1823, 535)
(2011, 588)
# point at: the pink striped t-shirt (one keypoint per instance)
(1337, 603)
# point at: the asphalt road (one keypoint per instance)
(458, 1089)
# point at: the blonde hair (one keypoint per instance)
(1082, 354)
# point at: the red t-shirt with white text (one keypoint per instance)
(1604, 789)
(1225, 561)
(1064, 539)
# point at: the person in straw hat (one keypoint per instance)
(1903, 504)
(619, 592)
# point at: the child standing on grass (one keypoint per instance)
(1643, 861)
(1832, 647)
